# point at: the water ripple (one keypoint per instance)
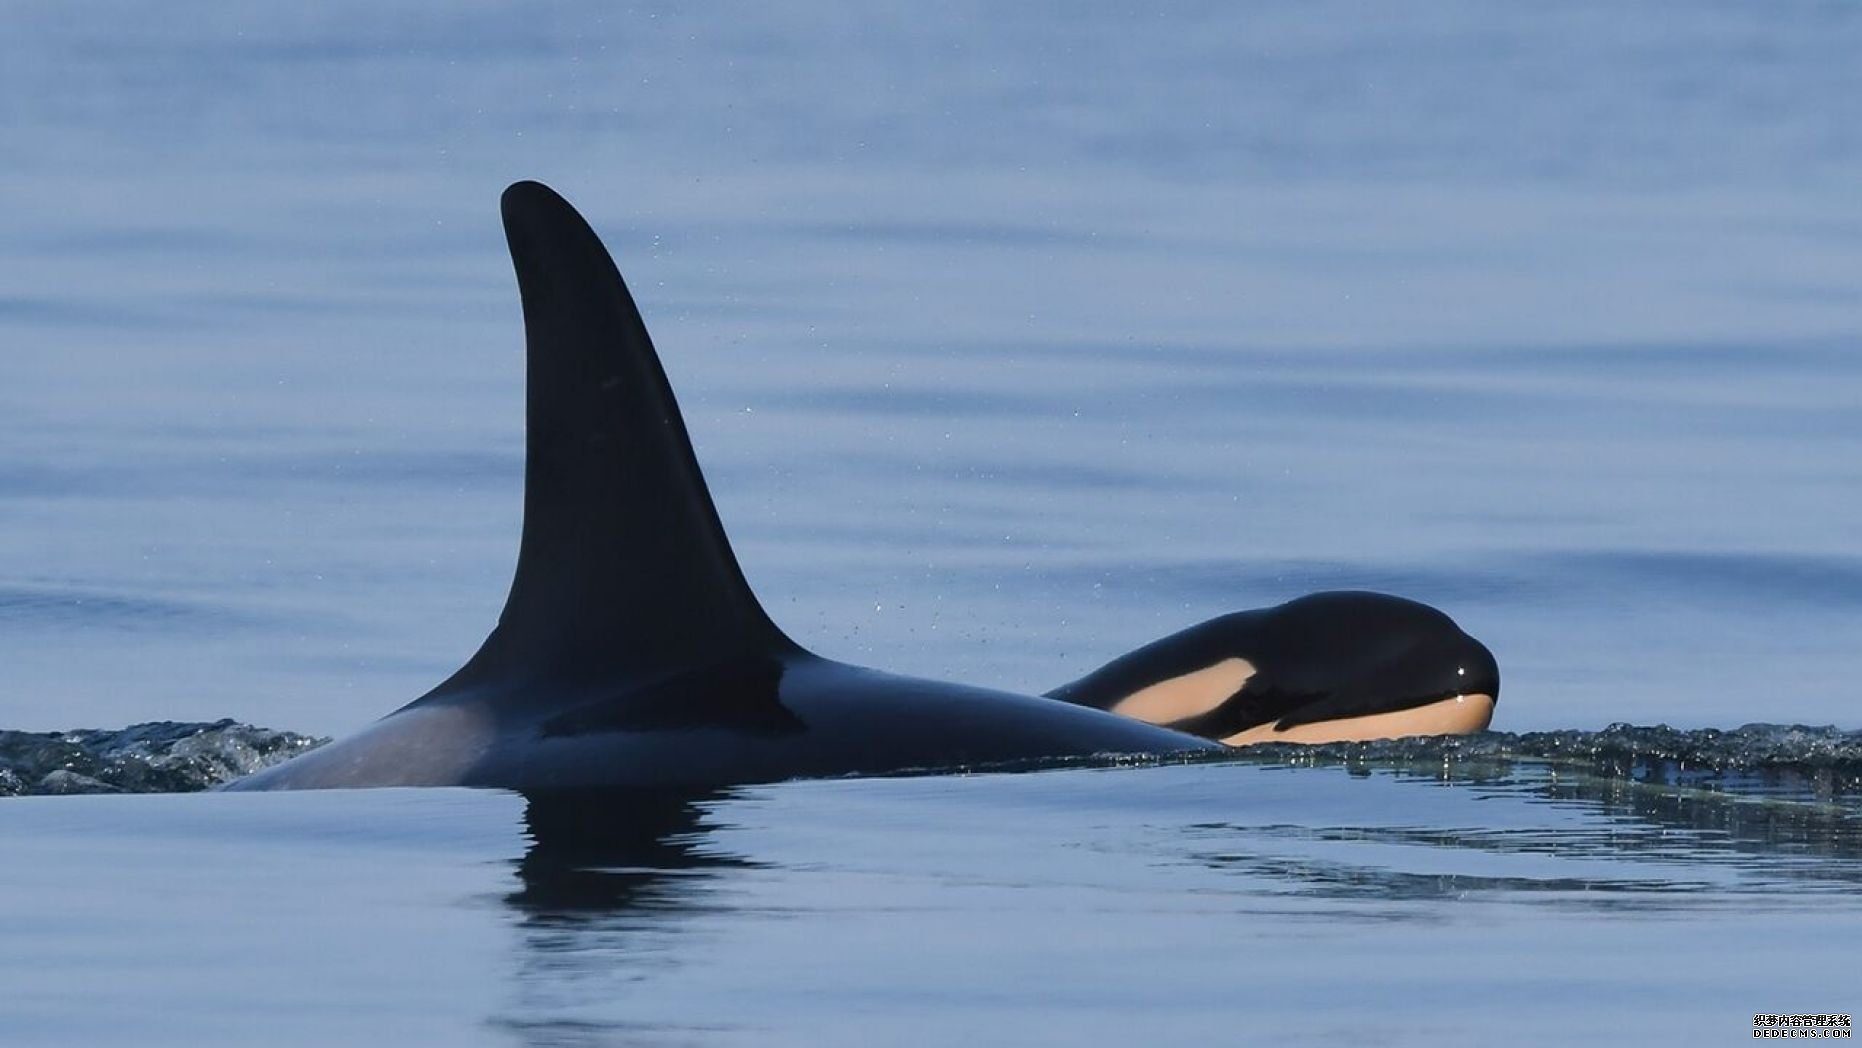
(1820, 765)
(157, 757)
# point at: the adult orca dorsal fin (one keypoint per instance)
(624, 569)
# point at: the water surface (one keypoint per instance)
(1010, 339)
(1163, 902)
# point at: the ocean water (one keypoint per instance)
(1009, 339)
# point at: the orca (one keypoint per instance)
(632, 654)
(1328, 667)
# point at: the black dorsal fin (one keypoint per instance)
(624, 570)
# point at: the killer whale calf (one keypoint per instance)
(1327, 667)
(632, 653)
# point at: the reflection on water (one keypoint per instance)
(1763, 810)
(598, 852)
(1010, 338)
(1631, 839)
(707, 917)
(610, 883)
(602, 855)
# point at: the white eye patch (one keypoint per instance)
(1189, 695)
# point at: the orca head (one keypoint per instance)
(1327, 667)
(1353, 665)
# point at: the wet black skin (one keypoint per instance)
(631, 652)
(1322, 657)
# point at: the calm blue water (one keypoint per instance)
(1009, 339)
(1162, 904)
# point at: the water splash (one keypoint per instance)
(157, 757)
(1783, 761)
(1770, 760)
